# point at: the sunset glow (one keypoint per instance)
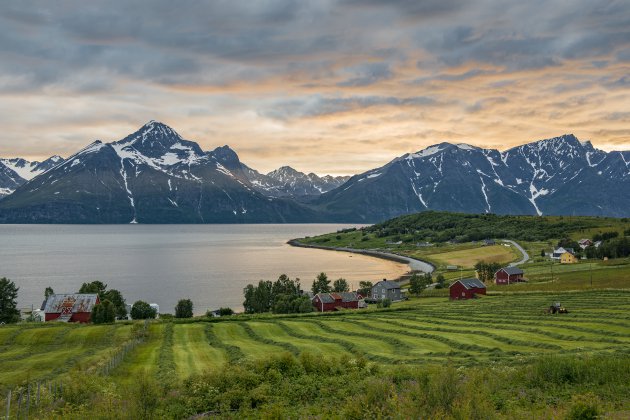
(333, 87)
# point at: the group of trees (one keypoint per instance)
(417, 282)
(101, 312)
(435, 226)
(615, 248)
(282, 296)
(321, 284)
(485, 271)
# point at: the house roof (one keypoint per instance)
(79, 302)
(471, 283)
(388, 284)
(511, 271)
(334, 297)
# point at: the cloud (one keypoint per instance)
(316, 106)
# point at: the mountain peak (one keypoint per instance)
(226, 156)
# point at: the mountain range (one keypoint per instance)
(156, 176)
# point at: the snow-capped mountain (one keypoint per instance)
(15, 172)
(151, 176)
(287, 182)
(156, 176)
(556, 176)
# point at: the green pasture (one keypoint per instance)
(422, 330)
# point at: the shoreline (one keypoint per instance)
(413, 263)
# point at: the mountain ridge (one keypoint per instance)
(155, 176)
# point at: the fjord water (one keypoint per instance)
(210, 264)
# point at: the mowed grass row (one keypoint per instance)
(48, 351)
(423, 330)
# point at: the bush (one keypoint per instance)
(142, 310)
(184, 309)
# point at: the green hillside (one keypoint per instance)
(494, 331)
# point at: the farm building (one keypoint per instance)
(585, 243)
(325, 302)
(387, 290)
(74, 307)
(568, 258)
(467, 289)
(508, 275)
(557, 253)
(489, 242)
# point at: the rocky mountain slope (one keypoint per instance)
(17, 171)
(151, 176)
(156, 176)
(556, 176)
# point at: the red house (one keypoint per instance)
(467, 289)
(508, 275)
(324, 302)
(76, 307)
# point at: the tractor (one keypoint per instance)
(556, 308)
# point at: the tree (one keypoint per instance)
(418, 283)
(321, 284)
(341, 285)
(184, 309)
(97, 287)
(116, 298)
(365, 287)
(542, 253)
(104, 313)
(8, 302)
(258, 299)
(441, 281)
(142, 310)
(49, 291)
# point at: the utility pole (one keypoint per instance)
(590, 267)
(551, 271)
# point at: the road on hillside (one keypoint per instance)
(520, 248)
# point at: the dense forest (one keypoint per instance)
(436, 226)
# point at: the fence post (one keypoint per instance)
(19, 407)
(9, 405)
(28, 400)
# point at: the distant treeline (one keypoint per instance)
(436, 226)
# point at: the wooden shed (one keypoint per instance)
(75, 307)
(324, 302)
(508, 275)
(467, 289)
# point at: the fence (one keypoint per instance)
(28, 399)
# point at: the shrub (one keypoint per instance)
(184, 309)
(142, 310)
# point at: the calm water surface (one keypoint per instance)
(210, 264)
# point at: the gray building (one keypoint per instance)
(386, 290)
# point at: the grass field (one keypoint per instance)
(467, 258)
(425, 330)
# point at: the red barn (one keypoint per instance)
(508, 275)
(467, 289)
(76, 307)
(324, 302)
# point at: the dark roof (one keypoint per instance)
(333, 297)
(325, 298)
(349, 296)
(388, 284)
(471, 283)
(512, 270)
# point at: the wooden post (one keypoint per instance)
(9, 405)
(28, 400)
(19, 405)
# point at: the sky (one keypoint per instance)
(326, 86)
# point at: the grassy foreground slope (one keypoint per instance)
(498, 336)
